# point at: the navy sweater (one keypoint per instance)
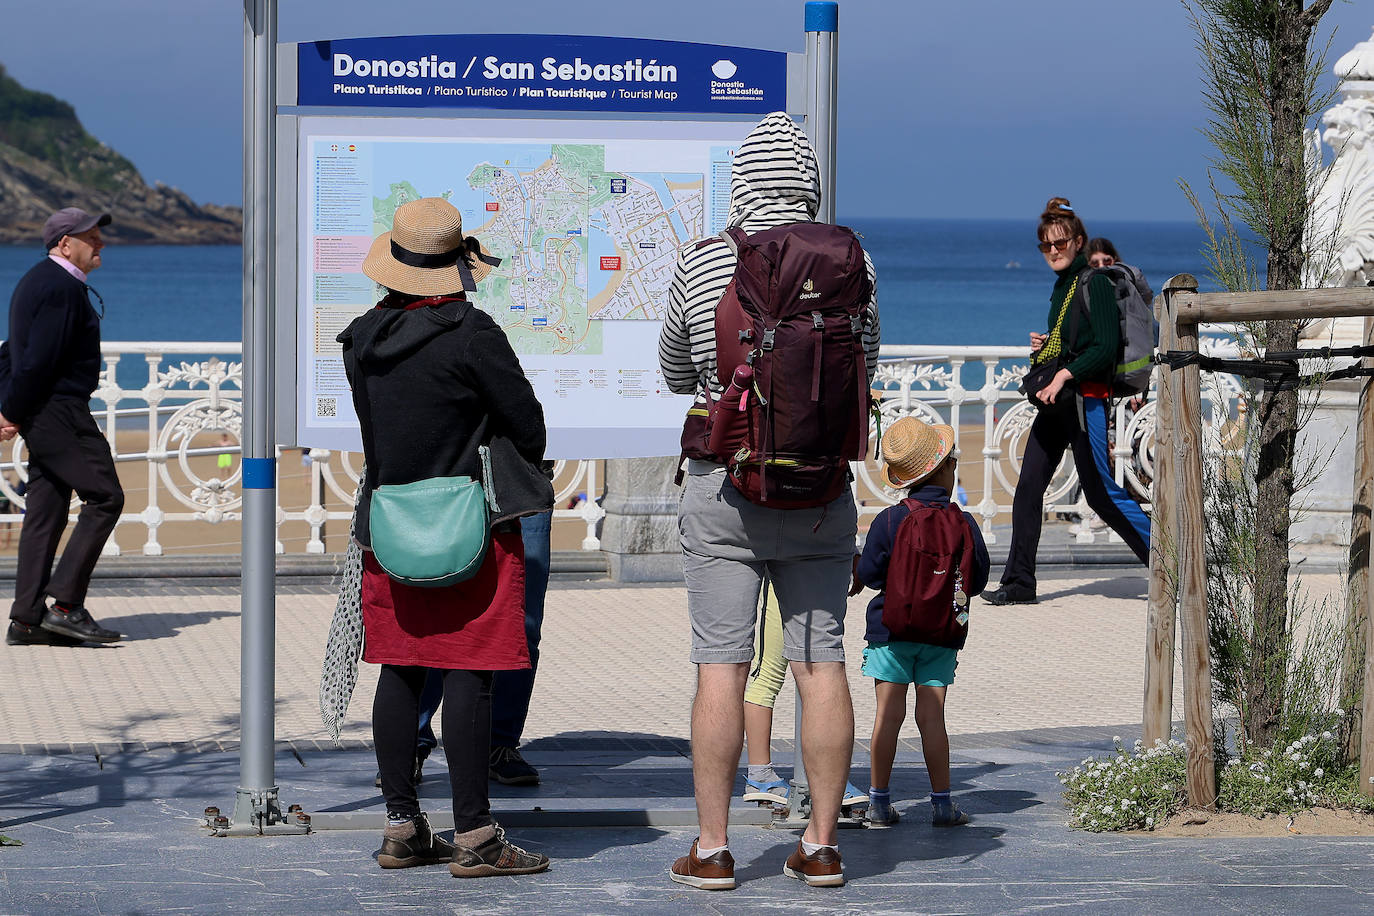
(53, 348)
(877, 553)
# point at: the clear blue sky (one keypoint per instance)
(954, 109)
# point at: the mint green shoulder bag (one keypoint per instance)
(432, 532)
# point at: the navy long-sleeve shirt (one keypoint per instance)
(877, 553)
(53, 348)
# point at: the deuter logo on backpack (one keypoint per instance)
(790, 354)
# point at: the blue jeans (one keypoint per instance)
(511, 690)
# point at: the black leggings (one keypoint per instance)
(467, 740)
(1056, 428)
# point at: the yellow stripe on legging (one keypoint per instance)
(769, 668)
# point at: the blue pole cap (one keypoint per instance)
(822, 16)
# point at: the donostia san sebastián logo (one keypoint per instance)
(725, 88)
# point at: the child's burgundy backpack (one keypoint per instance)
(925, 598)
(792, 317)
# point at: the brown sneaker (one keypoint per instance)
(412, 843)
(820, 870)
(485, 851)
(714, 873)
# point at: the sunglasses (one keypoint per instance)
(1056, 244)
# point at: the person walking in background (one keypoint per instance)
(49, 368)
(730, 543)
(1101, 252)
(918, 458)
(433, 380)
(1072, 407)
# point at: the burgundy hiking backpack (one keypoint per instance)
(931, 560)
(790, 353)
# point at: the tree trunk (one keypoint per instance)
(1278, 413)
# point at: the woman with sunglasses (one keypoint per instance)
(1082, 341)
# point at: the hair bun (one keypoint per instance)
(1059, 204)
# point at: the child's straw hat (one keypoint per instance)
(913, 450)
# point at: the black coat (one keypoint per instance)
(431, 385)
(53, 348)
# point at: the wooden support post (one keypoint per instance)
(1160, 620)
(1192, 560)
(1363, 626)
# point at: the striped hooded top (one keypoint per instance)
(774, 180)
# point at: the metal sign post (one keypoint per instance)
(256, 807)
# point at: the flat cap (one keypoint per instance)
(70, 221)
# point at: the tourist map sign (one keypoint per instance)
(587, 217)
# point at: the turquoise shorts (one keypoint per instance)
(911, 663)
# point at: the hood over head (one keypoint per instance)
(774, 178)
(387, 335)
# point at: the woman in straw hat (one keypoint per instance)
(434, 378)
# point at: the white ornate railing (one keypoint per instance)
(175, 420)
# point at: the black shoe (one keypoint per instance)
(1011, 594)
(23, 634)
(78, 624)
(412, 843)
(510, 769)
(417, 776)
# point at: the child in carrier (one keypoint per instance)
(926, 558)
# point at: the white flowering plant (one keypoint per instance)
(1284, 779)
(1140, 789)
(1127, 790)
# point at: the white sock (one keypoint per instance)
(812, 848)
(707, 853)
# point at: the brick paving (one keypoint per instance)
(614, 662)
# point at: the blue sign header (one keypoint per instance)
(541, 73)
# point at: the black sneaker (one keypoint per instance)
(510, 769)
(1011, 594)
(495, 856)
(77, 623)
(412, 843)
(23, 634)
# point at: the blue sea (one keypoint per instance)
(949, 282)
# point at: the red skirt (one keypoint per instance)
(477, 625)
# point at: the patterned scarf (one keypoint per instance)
(1055, 345)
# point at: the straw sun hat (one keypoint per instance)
(426, 253)
(913, 450)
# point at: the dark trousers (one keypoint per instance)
(511, 690)
(67, 453)
(1057, 428)
(467, 740)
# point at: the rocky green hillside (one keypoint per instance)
(49, 161)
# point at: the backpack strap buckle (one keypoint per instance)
(817, 321)
(856, 325)
(768, 335)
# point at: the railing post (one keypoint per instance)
(1160, 619)
(1192, 560)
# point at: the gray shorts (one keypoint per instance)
(729, 544)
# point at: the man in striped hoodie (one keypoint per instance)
(729, 544)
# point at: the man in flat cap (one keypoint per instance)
(49, 367)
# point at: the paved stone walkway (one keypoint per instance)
(614, 660)
(108, 756)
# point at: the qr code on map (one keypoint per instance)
(326, 407)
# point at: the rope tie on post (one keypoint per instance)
(1279, 369)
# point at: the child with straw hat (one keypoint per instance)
(919, 458)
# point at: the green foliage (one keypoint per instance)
(47, 129)
(1141, 789)
(1304, 773)
(1128, 791)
